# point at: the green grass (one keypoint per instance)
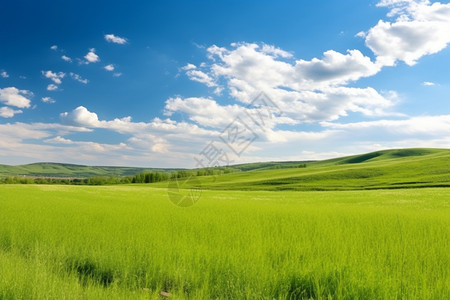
(390, 169)
(130, 242)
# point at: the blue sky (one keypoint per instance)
(164, 84)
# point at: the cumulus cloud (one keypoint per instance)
(14, 97)
(428, 83)
(78, 78)
(80, 116)
(335, 68)
(55, 77)
(420, 28)
(91, 57)
(66, 58)
(7, 112)
(52, 87)
(54, 47)
(4, 74)
(305, 90)
(109, 67)
(48, 100)
(115, 39)
(205, 112)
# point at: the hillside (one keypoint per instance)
(70, 170)
(400, 168)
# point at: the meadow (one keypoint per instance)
(131, 242)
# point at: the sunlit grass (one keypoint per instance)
(131, 242)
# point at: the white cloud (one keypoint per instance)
(55, 77)
(428, 83)
(15, 149)
(335, 68)
(87, 146)
(80, 116)
(54, 47)
(52, 87)
(115, 39)
(66, 58)
(91, 57)
(422, 125)
(4, 74)
(189, 67)
(361, 34)
(78, 78)
(199, 76)
(14, 97)
(274, 51)
(203, 111)
(117, 74)
(305, 91)
(59, 140)
(7, 112)
(48, 100)
(421, 28)
(109, 67)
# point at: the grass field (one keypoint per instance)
(130, 242)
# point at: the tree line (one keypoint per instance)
(146, 177)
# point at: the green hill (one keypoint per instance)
(398, 168)
(382, 169)
(70, 170)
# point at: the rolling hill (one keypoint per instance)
(399, 168)
(72, 171)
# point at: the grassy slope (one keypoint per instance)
(69, 170)
(382, 169)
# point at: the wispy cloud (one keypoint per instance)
(48, 100)
(52, 87)
(4, 74)
(66, 58)
(54, 47)
(115, 39)
(78, 78)
(428, 83)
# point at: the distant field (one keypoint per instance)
(130, 242)
(72, 171)
(396, 168)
